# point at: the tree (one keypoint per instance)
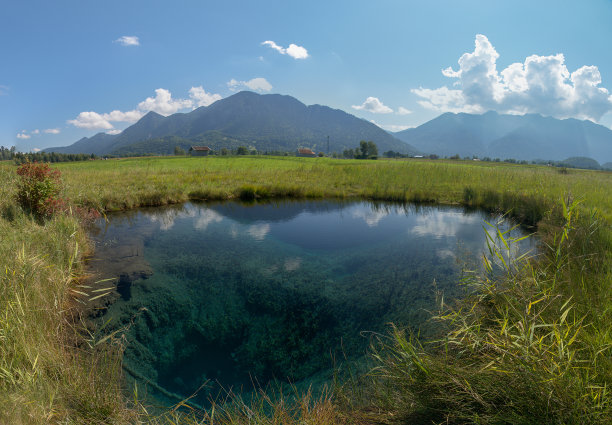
(348, 153)
(224, 151)
(372, 150)
(179, 150)
(366, 150)
(363, 147)
(242, 150)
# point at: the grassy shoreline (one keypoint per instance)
(42, 380)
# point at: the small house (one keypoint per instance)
(199, 151)
(305, 152)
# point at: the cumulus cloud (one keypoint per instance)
(295, 51)
(200, 98)
(35, 150)
(128, 40)
(37, 131)
(403, 111)
(256, 84)
(373, 105)
(52, 131)
(91, 120)
(163, 103)
(23, 135)
(540, 84)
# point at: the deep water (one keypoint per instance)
(231, 296)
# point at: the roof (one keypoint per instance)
(200, 148)
(306, 151)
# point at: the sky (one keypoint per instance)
(70, 69)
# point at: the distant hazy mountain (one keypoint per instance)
(580, 162)
(511, 136)
(265, 122)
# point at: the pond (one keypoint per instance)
(227, 295)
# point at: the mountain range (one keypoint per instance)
(523, 137)
(264, 122)
(275, 122)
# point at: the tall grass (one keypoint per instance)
(128, 183)
(47, 373)
(529, 345)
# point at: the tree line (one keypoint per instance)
(7, 154)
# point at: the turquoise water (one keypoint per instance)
(228, 295)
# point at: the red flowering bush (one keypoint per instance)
(38, 189)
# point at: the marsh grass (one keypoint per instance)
(531, 346)
(128, 183)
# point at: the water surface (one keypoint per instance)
(230, 294)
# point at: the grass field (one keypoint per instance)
(532, 346)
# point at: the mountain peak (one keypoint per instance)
(524, 137)
(266, 122)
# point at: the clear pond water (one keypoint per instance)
(229, 294)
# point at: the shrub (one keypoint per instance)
(38, 189)
(469, 195)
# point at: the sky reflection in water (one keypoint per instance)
(267, 291)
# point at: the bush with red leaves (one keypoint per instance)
(38, 189)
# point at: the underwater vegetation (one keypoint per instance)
(241, 295)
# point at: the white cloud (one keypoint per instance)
(37, 131)
(403, 111)
(163, 103)
(371, 217)
(128, 40)
(52, 131)
(256, 84)
(91, 120)
(441, 224)
(295, 51)
(114, 132)
(23, 135)
(258, 231)
(3, 90)
(541, 84)
(200, 98)
(396, 127)
(373, 105)
(206, 217)
(392, 127)
(119, 116)
(35, 150)
(444, 99)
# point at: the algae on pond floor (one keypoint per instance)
(236, 298)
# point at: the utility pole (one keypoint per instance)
(327, 145)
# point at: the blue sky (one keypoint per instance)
(70, 69)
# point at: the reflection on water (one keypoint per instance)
(230, 293)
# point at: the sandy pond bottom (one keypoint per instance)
(231, 294)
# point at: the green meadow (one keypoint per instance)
(529, 344)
